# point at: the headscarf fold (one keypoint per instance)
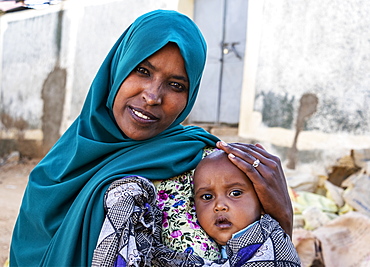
(62, 209)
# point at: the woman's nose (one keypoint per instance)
(152, 94)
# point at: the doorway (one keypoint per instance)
(223, 24)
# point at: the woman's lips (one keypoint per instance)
(142, 115)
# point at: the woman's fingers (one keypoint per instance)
(251, 154)
(250, 169)
(261, 167)
(260, 146)
(239, 150)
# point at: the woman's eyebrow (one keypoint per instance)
(148, 64)
(183, 78)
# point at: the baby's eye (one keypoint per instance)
(178, 86)
(235, 193)
(206, 197)
(142, 70)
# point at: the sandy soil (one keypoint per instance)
(13, 180)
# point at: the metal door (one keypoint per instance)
(223, 23)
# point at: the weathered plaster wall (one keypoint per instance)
(308, 46)
(48, 59)
(28, 55)
(320, 47)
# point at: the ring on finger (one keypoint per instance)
(256, 163)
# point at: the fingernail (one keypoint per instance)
(223, 143)
(231, 156)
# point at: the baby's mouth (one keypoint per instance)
(222, 222)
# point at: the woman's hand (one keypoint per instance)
(267, 177)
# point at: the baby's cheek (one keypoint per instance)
(202, 217)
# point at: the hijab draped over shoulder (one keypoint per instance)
(62, 210)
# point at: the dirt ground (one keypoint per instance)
(13, 180)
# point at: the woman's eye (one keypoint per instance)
(235, 193)
(142, 70)
(206, 197)
(178, 86)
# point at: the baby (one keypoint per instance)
(229, 211)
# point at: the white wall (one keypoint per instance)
(49, 57)
(307, 46)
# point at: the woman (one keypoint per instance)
(129, 125)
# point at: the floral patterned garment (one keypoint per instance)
(180, 230)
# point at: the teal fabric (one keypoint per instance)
(62, 210)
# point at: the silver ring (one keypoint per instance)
(256, 163)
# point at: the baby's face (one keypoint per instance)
(225, 199)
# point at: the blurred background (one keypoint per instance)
(292, 75)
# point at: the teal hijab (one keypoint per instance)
(62, 210)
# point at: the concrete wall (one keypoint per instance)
(320, 47)
(48, 59)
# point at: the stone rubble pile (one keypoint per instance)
(332, 213)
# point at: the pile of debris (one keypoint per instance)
(332, 213)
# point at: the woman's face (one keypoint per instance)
(153, 95)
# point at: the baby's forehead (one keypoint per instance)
(214, 157)
(210, 160)
(216, 162)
